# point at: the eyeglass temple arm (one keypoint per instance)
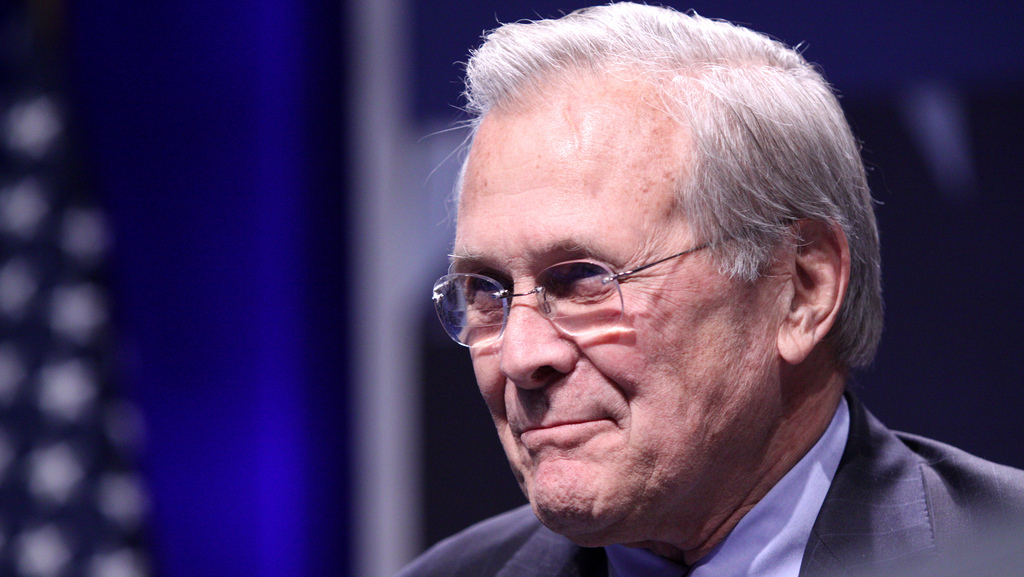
(624, 274)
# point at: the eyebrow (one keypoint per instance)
(466, 262)
(545, 255)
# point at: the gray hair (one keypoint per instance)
(771, 143)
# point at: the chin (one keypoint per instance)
(581, 530)
(574, 506)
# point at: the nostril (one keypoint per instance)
(543, 374)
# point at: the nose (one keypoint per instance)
(533, 352)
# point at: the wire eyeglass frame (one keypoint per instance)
(570, 287)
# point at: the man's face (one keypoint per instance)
(647, 432)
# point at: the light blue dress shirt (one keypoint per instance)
(769, 541)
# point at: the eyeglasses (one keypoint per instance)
(577, 296)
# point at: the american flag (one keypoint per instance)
(71, 500)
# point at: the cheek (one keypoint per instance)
(490, 380)
(621, 364)
(695, 357)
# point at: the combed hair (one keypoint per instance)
(770, 142)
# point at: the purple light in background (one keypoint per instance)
(194, 116)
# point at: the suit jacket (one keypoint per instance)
(898, 505)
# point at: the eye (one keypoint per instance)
(470, 306)
(574, 280)
(479, 291)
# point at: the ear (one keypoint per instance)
(818, 272)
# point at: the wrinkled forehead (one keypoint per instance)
(593, 118)
(581, 158)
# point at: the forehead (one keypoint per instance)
(593, 164)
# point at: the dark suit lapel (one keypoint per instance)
(551, 555)
(875, 514)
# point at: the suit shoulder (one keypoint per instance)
(977, 506)
(976, 510)
(971, 479)
(479, 550)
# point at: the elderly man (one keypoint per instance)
(666, 264)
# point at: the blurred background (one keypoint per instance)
(219, 223)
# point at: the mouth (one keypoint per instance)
(556, 424)
(563, 433)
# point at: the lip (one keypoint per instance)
(556, 424)
(562, 432)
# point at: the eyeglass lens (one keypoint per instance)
(577, 296)
(470, 307)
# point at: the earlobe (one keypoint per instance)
(819, 264)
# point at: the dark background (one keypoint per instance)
(219, 138)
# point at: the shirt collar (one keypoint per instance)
(769, 541)
(632, 562)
